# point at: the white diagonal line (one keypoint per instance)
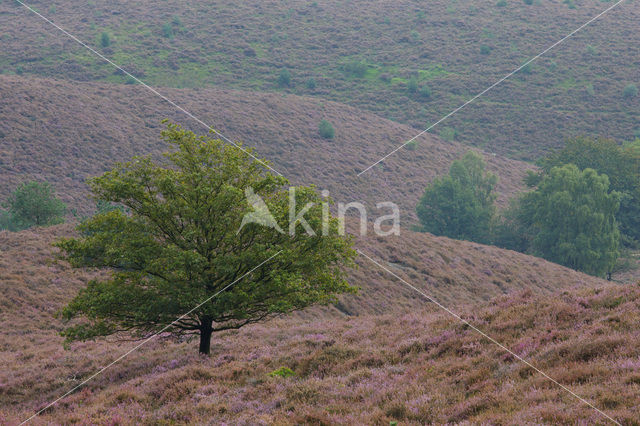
(145, 85)
(121, 357)
(493, 85)
(491, 339)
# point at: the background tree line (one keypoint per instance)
(583, 204)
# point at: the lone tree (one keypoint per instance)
(178, 241)
(571, 219)
(461, 204)
(34, 204)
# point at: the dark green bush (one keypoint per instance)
(284, 78)
(32, 204)
(355, 69)
(326, 129)
(105, 39)
(630, 91)
(311, 83)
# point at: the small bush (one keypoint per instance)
(32, 204)
(412, 85)
(527, 69)
(485, 50)
(501, 3)
(591, 50)
(167, 30)
(355, 69)
(105, 39)
(311, 83)
(284, 78)
(425, 92)
(630, 91)
(528, 2)
(283, 372)
(448, 134)
(590, 90)
(411, 146)
(326, 129)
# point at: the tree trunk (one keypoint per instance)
(205, 337)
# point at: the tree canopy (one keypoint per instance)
(461, 204)
(571, 219)
(177, 242)
(621, 163)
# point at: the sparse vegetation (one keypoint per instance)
(105, 39)
(284, 78)
(630, 91)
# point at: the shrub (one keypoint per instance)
(412, 85)
(33, 204)
(105, 39)
(590, 90)
(283, 372)
(167, 30)
(630, 91)
(501, 3)
(425, 92)
(448, 134)
(591, 50)
(411, 146)
(485, 50)
(528, 2)
(311, 83)
(326, 129)
(284, 78)
(527, 69)
(355, 69)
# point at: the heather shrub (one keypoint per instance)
(501, 3)
(425, 92)
(485, 50)
(412, 85)
(326, 129)
(167, 30)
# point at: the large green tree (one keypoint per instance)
(461, 204)
(32, 204)
(179, 240)
(621, 163)
(571, 219)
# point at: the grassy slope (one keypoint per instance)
(413, 364)
(577, 88)
(64, 132)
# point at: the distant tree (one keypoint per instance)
(181, 243)
(501, 3)
(326, 129)
(355, 69)
(105, 40)
(571, 219)
(425, 92)
(461, 204)
(284, 78)
(485, 50)
(630, 91)
(621, 164)
(33, 204)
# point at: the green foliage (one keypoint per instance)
(448, 134)
(311, 83)
(461, 204)
(167, 30)
(105, 39)
(485, 50)
(621, 164)
(32, 204)
(425, 92)
(501, 3)
(283, 372)
(326, 129)
(528, 2)
(527, 69)
(571, 219)
(591, 50)
(284, 78)
(630, 91)
(412, 85)
(182, 243)
(355, 69)
(590, 90)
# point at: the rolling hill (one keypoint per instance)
(360, 368)
(364, 53)
(64, 132)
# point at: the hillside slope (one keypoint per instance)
(364, 53)
(64, 132)
(365, 369)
